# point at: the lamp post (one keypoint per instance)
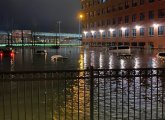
(59, 29)
(80, 18)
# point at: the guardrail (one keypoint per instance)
(95, 94)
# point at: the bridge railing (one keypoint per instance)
(83, 94)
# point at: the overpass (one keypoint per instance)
(45, 34)
(27, 36)
(65, 35)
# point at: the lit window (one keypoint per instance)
(98, 34)
(120, 33)
(104, 34)
(151, 31)
(134, 32)
(161, 30)
(114, 33)
(109, 34)
(126, 32)
(141, 31)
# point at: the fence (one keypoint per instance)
(91, 94)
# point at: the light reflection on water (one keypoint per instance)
(78, 58)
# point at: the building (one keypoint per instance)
(137, 23)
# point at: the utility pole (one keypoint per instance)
(59, 29)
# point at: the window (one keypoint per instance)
(95, 24)
(108, 10)
(113, 8)
(120, 7)
(126, 32)
(151, 31)
(142, 16)
(161, 13)
(133, 32)
(94, 35)
(108, 22)
(98, 34)
(114, 21)
(141, 2)
(120, 33)
(114, 33)
(134, 3)
(98, 12)
(109, 34)
(126, 4)
(104, 34)
(103, 1)
(134, 18)
(141, 31)
(104, 11)
(151, 14)
(161, 30)
(119, 20)
(150, 1)
(127, 19)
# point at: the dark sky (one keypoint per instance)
(41, 15)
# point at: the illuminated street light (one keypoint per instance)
(101, 31)
(123, 28)
(137, 27)
(155, 25)
(85, 33)
(111, 30)
(93, 32)
(80, 18)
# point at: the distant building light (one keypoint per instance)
(92, 31)
(111, 30)
(123, 28)
(85, 32)
(137, 27)
(101, 31)
(155, 25)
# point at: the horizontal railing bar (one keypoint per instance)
(60, 71)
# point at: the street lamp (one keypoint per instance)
(59, 30)
(80, 18)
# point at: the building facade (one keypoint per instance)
(135, 23)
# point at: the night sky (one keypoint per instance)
(39, 15)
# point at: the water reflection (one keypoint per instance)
(137, 63)
(110, 62)
(92, 58)
(101, 59)
(85, 59)
(122, 63)
(79, 58)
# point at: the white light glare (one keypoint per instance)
(155, 25)
(85, 32)
(92, 31)
(137, 27)
(111, 30)
(123, 28)
(101, 31)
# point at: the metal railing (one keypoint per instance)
(91, 94)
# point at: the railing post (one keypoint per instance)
(91, 92)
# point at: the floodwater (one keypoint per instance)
(79, 58)
(114, 98)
